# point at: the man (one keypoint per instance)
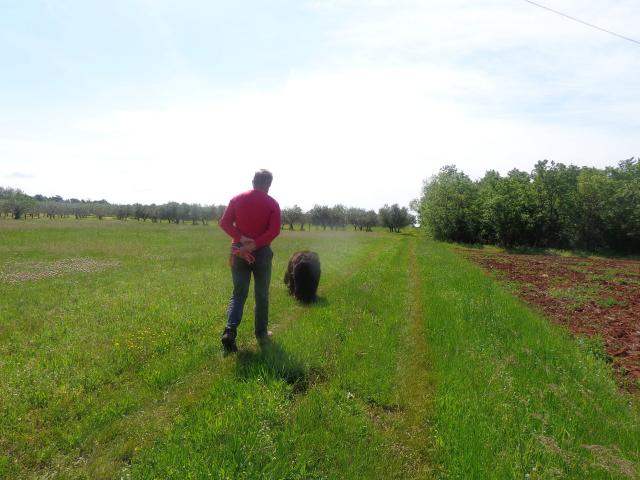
(252, 220)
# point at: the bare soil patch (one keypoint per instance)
(15, 272)
(591, 296)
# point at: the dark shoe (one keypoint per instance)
(265, 339)
(229, 341)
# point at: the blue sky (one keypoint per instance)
(64, 54)
(347, 101)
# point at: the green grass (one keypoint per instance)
(617, 276)
(413, 364)
(304, 408)
(515, 396)
(577, 296)
(553, 252)
(102, 368)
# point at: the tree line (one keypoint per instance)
(17, 205)
(554, 205)
(392, 217)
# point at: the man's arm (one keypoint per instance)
(227, 222)
(273, 229)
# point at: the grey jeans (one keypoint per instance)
(241, 272)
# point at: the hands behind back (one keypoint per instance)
(248, 244)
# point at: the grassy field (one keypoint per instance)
(413, 364)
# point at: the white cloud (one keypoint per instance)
(361, 137)
(411, 86)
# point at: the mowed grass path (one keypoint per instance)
(413, 364)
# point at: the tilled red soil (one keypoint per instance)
(590, 296)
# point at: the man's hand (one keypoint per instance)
(248, 244)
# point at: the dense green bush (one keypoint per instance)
(553, 206)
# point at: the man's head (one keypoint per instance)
(262, 180)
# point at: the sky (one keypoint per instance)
(345, 101)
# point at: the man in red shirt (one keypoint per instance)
(252, 220)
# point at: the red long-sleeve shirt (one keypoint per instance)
(253, 214)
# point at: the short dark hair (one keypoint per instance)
(262, 178)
